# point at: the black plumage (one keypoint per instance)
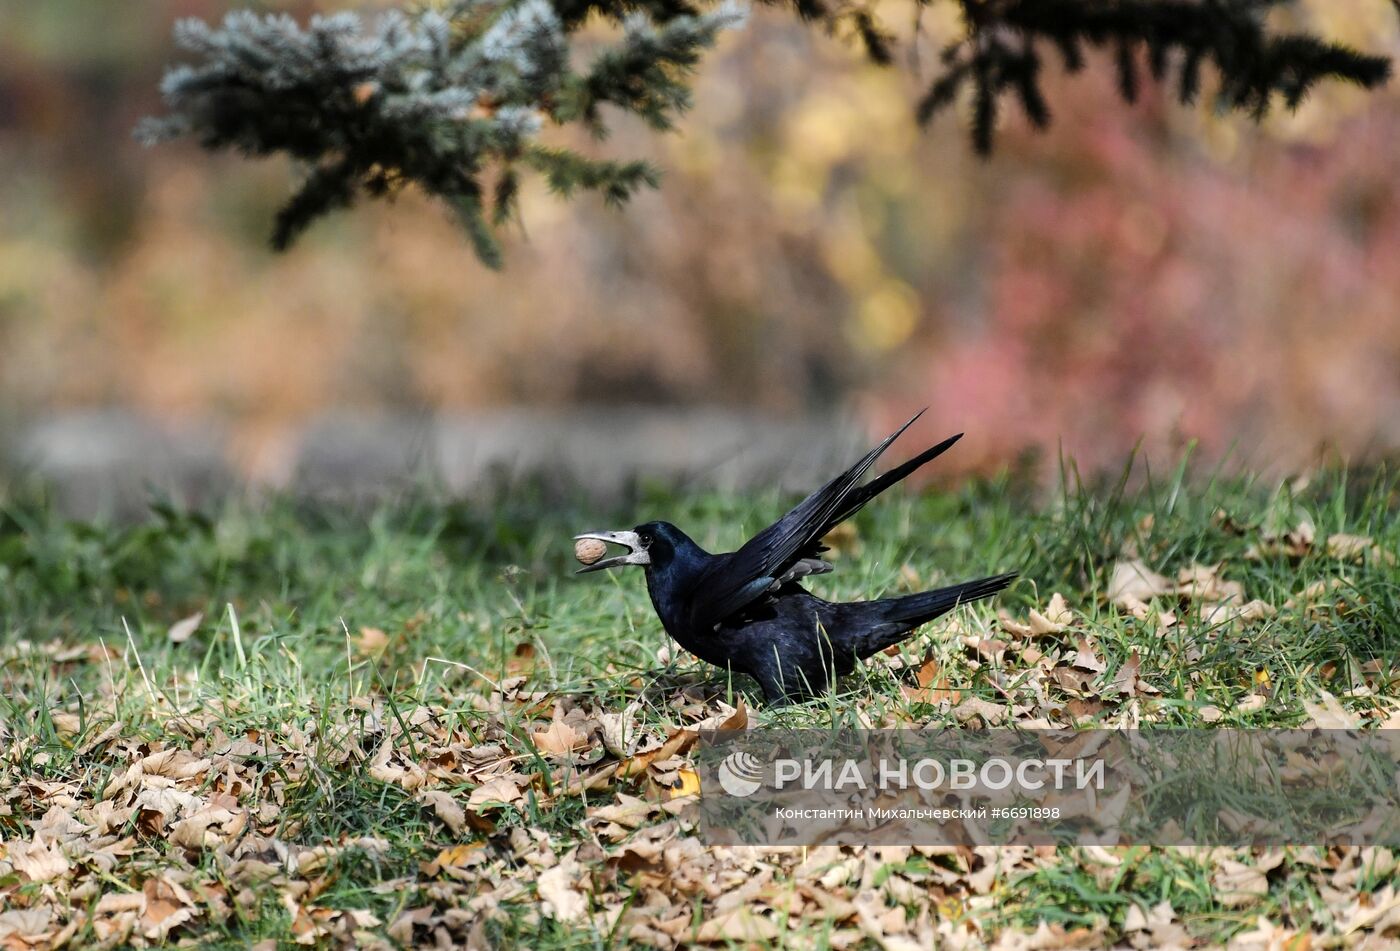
(747, 611)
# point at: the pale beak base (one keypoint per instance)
(636, 554)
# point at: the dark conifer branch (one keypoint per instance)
(443, 99)
(437, 100)
(997, 57)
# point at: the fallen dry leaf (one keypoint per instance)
(371, 642)
(739, 924)
(1085, 658)
(456, 858)
(1056, 618)
(1238, 885)
(181, 630)
(1205, 583)
(975, 708)
(1126, 680)
(1294, 543)
(38, 861)
(384, 768)
(493, 793)
(621, 732)
(1133, 581)
(1053, 620)
(558, 739)
(559, 889)
(677, 743)
(688, 785)
(167, 906)
(218, 821)
(1251, 704)
(445, 808)
(931, 687)
(1327, 713)
(1357, 548)
(24, 925)
(727, 720)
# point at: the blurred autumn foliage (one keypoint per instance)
(1138, 272)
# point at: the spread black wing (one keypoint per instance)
(790, 548)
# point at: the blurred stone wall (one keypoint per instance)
(112, 463)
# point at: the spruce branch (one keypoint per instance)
(997, 56)
(446, 98)
(437, 100)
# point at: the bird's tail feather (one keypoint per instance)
(896, 617)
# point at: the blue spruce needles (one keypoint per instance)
(441, 100)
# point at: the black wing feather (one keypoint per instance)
(856, 500)
(736, 579)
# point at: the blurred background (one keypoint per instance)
(1146, 273)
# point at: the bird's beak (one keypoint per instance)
(636, 554)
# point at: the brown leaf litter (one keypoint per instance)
(172, 836)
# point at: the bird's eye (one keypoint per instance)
(646, 539)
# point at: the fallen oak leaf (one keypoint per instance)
(1070, 680)
(1293, 544)
(1143, 611)
(174, 764)
(927, 673)
(401, 928)
(1368, 911)
(931, 688)
(1257, 610)
(1205, 583)
(29, 927)
(599, 779)
(630, 812)
(115, 902)
(990, 650)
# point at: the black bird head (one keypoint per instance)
(652, 546)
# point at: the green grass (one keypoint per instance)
(286, 589)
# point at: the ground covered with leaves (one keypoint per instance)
(287, 723)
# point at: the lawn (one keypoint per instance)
(306, 723)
